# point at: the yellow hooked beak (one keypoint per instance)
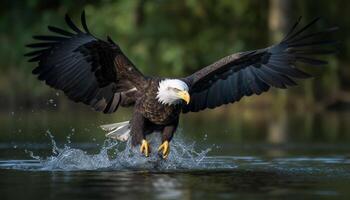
(185, 96)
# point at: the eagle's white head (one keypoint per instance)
(172, 91)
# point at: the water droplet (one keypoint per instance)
(205, 137)
(68, 139)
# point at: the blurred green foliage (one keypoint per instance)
(164, 37)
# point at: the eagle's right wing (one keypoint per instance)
(254, 72)
(85, 68)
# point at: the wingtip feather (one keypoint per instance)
(71, 24)
(83, 22)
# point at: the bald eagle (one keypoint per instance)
(97, 73)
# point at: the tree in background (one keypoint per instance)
(279, 20)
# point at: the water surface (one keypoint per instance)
(52, 155)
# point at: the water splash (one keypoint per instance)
(114, 155)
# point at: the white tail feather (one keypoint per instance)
(117, 131)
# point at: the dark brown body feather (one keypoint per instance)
(154, 111)
(150, 115)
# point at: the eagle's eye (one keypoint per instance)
(172, 89)
(176, 90)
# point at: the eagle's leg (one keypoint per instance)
(167, 135)
(164, 149)
(145, 148)
(137, 133)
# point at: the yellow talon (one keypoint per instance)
(165, 148)
(145, 149)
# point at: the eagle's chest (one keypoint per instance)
(155, 111)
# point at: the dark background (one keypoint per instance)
(283, 144)
(176, 38)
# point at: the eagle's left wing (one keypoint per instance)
(254, 72)
(86, 68)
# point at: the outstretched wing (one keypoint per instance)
(85, 68)
(254, 72)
